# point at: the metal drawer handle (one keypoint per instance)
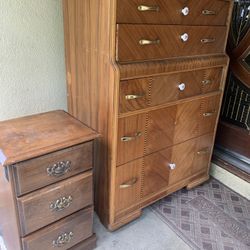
(133, 97)
(208, 40)
(206, 82)
(184, 37)
(185, 11)
(63, 239)
(182, 86)
(204, 151)
(143, 8)
(61, 203)
(144, 42)
(59, 168)
(209, 113)
(131, 138)
(208, 12)
(128, 184)
(172, 166)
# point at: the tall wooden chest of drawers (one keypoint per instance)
(46, 194)
(149, 76)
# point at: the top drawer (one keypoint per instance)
(42, 171)
(202, 12)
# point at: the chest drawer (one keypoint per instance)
(146, 133)
(42, 171)
(145, 92)
(152, 42)
(202, 12)
(52, 203)
(63, 234)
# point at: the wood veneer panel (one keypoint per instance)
(127, 12)
(129, 48)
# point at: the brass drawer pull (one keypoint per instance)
(172, 166)
(131, 138)
(208, 40)
(59, 169)
(133, 97)
(61, 203)
(208, 12)
(129, 184)
(204, 151)
(207, 114)
(63, 239)
(206, 82)
(143, 8)
(144, 42)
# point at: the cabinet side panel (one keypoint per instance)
(8, 215)
(91, 73)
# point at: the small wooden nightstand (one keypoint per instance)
(46, 190)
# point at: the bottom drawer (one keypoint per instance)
(63, 234)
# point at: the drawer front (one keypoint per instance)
(173, 125)
(42, 171)
(145, 92)
(192, 12)
(63, 234)
(52, 203)
(166, 127)
(174, 164)
(152, 42)
(128, 185)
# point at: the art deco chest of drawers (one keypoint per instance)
(149, 75)
(46, 189)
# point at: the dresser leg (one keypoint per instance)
(124, 220)
(197, 181)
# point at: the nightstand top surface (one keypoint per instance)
(32, 136)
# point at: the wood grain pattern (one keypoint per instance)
(128, 185)
(169, 66)
(9, 220)
(170, 44)
(87, 244)
(127, 12)
(80, 224)
(154, 91)
(164, 127)
(19, 141)
(90, 45)
(34, 208)
(97, 82)
(32, 174)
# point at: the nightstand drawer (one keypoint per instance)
(42, 171)
(152, 42)
(63, 234)
(54, 202)
(152, 91)
(203, 12)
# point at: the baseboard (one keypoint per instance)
(232, 181)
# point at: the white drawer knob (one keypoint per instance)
(184, 37)
(182, 86)
(185, 11)
(172, 166)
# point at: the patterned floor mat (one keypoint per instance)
(209, 217)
